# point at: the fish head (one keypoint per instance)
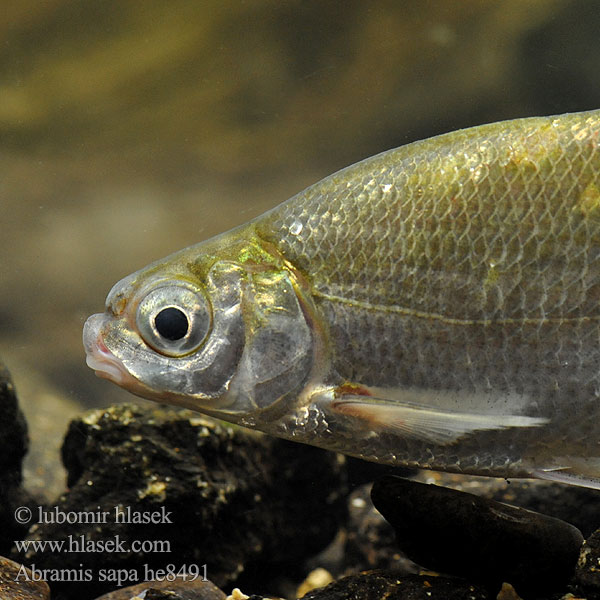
(221, 328)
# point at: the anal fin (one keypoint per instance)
(574, 470)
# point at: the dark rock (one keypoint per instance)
(587, 573)
(479, 539)
(13, 433)
(19, 583)
(238, 502)
(168, 590)
(381, 585)
(573, 504)
(576, 505)
(13, 447)
(15, 503)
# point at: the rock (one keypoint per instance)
(168, 590)
(239, 503)
(19, 583)
(13, 447)
(13, 433)
(576, 505)
(15, 507)
(382, 585)
(479, 539)
(587, 573)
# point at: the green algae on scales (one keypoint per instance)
(435, 306)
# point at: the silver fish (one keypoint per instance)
(436, 306)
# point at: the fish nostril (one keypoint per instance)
(116, 306)
(116, 300)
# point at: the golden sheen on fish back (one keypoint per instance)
(436, 306)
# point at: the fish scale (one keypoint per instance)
(417, 247)
(436, 305)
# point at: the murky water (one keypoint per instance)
(129, 130)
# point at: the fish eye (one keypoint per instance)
(171, 323)
(174, 319)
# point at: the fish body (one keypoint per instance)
(436, 306)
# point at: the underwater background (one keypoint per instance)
(131, 129)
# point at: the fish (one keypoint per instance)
(434, 306)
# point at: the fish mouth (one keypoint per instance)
(100, 358)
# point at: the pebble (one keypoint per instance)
(479, 539)
(382, 585)
(17, 583)
(237, 594)
(168, 590)
(508, 592)
(317, 578)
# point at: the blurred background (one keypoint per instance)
(132, 128)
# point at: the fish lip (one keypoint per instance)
(99, 358)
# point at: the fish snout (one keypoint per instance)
(98, 356)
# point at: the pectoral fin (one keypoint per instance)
(434, 425)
